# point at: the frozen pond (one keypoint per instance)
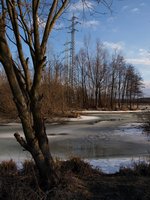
(106, 140)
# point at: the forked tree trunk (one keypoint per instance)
(39, 149)
(29, 110)
(36, 142)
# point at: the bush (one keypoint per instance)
(78, 167)
(28, 167)
(138, 169)
(8, 168)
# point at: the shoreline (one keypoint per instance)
(81, 113)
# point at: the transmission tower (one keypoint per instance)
(72, 75)
(70, 61)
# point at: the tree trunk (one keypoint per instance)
(46, 164)
(96, 97)
(37, 144)
(29, 110)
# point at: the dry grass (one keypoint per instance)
(78, 167)
(78, 181)
(145, 118)
(8, 168)
(138, 169)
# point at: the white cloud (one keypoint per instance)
(41, 22)
(135, 10)
(125, 7)
(80, 6)
(115, 30)
(142, 4)
(142, 58)
(146, 89)
(147, 84)
(59, 25)
(139, 61)
(144, 53)
(91, 23)
(115, 46)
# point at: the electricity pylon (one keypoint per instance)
(72, 73)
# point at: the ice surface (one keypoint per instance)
(107, 141)
(112, 165)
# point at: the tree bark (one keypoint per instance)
(28, 106)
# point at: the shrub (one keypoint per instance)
(8, 167)
(138, 169)
(78, 166)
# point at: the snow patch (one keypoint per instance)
(82, 118)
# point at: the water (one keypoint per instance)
(107, 141)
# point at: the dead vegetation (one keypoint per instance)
(145, 118)
(78, 181)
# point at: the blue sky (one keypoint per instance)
(126, 29)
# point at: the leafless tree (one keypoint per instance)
(82, 77)
(20, 25)
(134, 86)
(99, 72)
(25, 22)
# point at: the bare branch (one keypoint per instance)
(35, 5)
(13, 17)
(51, 21)
(26, 29)
(21, 141)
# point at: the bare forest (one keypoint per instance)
(97, 81)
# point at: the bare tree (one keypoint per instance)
(113, 81)
(99, 72)
(82, 77)
(134, 85)
(20, 25)
(24, 17)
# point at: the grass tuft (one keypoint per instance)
(28, 167)
(78, 167)
(138, 169)
(8, 168)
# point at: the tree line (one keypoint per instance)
(99, 81)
